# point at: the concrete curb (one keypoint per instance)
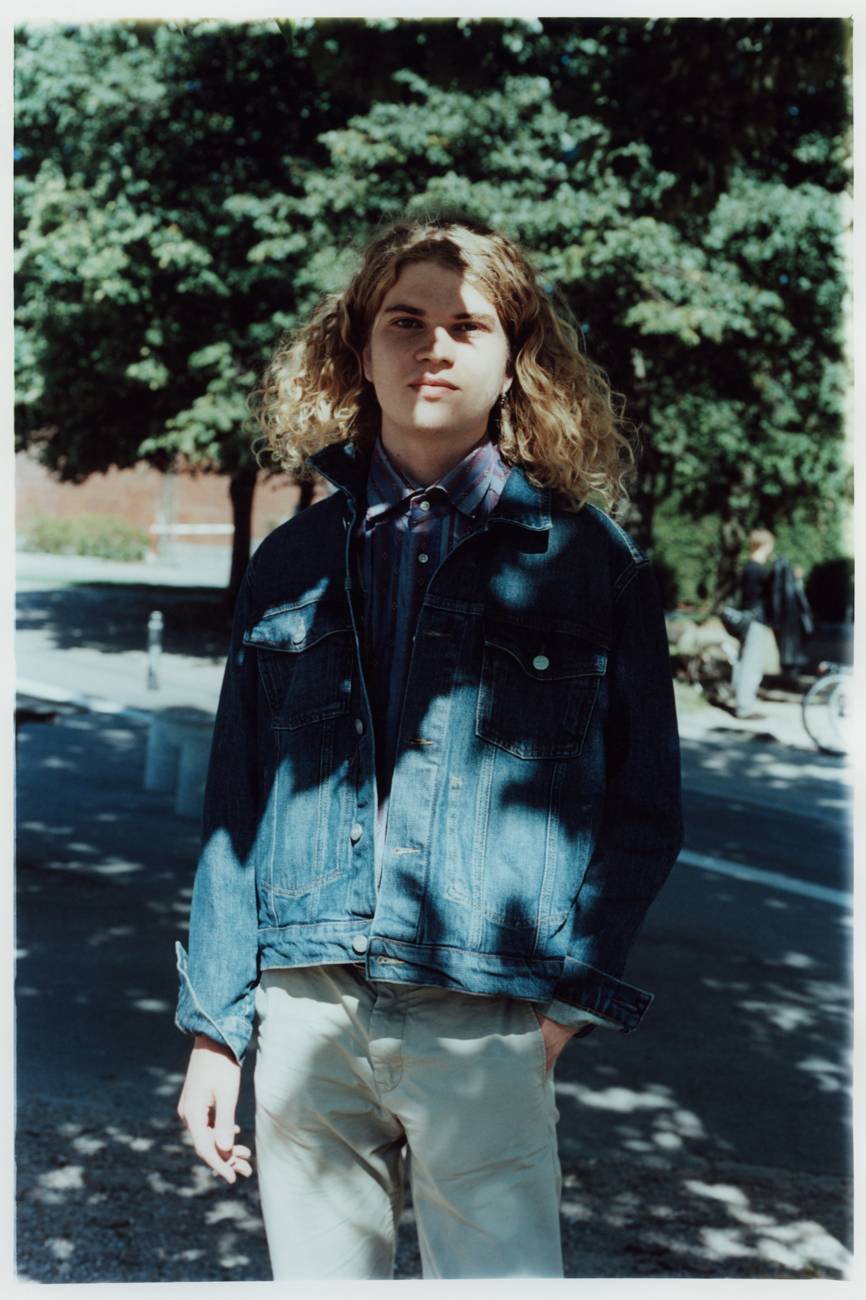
(57, 695)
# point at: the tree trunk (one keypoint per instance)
(636, 517)
(731, 535)
(241, 489)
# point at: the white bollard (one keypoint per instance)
(154, 649)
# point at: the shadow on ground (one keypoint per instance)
(688, 1148)
(111, 617)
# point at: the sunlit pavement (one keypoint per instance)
(184, 565)
(714, 1142)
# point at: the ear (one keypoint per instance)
(506, 384)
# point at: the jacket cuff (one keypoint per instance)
(599, 998)
(573, 1017)
(192, 1018)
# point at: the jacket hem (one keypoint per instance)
(605, 999)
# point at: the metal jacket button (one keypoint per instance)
(360, 943)
(422, 559)
(424, 505)
(356, 832)
(541, 662)
(359, 726)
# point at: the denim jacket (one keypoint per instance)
(535, 804)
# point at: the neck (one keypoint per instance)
(427, 460)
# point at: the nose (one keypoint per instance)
(436, 345)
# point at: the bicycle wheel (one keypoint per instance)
(827, 713)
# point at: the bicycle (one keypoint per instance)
(827, 708)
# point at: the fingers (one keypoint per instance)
(207, 1148)
(555, 1037)
(236, 1162)
(207, 1107)
(239, 1162)
(232, 1160)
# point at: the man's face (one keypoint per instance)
(437, 357)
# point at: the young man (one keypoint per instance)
(444, 786)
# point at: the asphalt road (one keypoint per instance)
(743, 1055)
(740, 1066)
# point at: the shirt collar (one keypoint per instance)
(466, 486)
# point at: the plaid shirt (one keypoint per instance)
(405, 535)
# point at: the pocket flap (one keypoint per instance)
(293, 628)
(545, 655)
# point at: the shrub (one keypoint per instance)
(688, 550)
(109, 537)
(686, 553)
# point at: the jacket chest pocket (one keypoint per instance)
(537, 690)
(305, 658)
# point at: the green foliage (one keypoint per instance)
(186, 192)
(731, 324)
(110, 537)
(686, 551)
(810, 542)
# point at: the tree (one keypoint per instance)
(141, 317)
(141, 322)
(730, 324)
(184, 194)
(707, 96)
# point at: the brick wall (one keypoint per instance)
(144, 496)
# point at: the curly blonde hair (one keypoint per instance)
(561, 423)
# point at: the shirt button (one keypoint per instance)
(541, 662)
(359, 726)
(360, 943)
(356, 832)
(423, 505)
(422, 558)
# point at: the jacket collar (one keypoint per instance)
(521, 502)
(345, 466)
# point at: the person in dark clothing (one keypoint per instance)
(790, 614)
(755, 590)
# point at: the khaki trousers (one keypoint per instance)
(348, 1073)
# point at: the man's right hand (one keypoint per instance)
(207, 1107)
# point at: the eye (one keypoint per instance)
(406, 322)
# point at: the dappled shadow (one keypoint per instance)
(753, 996)
(111, 617)
(734, 1096)
(104, 884)
(736, 766)
(109, 1187)
(715, 1141)
(626, 1217)
(122, 1198)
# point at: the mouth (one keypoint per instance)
(431, 381)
